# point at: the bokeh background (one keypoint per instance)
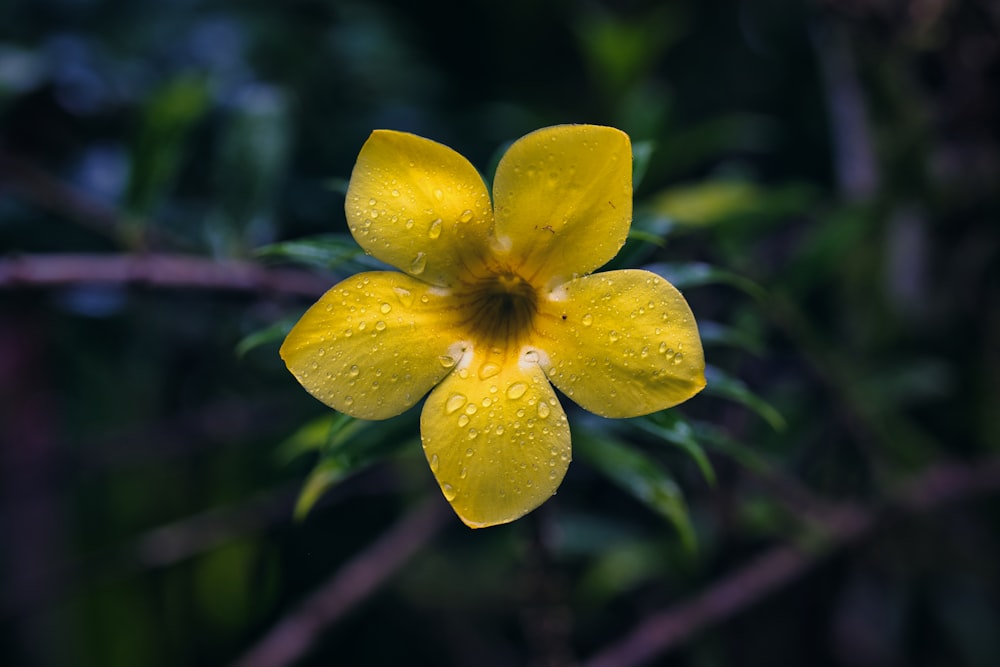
(821, 177)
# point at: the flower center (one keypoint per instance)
(499, 310)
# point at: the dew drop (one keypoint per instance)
(469, 452)
(435, 463)
(466, 216)
(454, 403)
(348, 400)
(446, 361)
(409, 223)
(435, 229)
(449, 492)
(418, 264)
(543, 410)
(587, 320)
(613, 335)
(488, 370)
(516, 390)
(470, 409)
(663, 348)
(395, 193)
(380, 326)
(473, 434)
(354, 371)
(678, 358)
(385, 308)
(463, 421)
(438, 194)
(462, 473)
(500, 429)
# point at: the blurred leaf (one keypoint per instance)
(709, 140)
(620, 50)
(171, 113)
(346, 445)
(642, 151)
(697, 274)
(722, 384)
(272, 334)
(672, 428)
(642, 477)
(714, 333)
(250, 165)
(328, 252)
(712, 203)
(620, 567)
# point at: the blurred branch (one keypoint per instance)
(293, 636)
(732, 594)
(156, 270)
(34, 185)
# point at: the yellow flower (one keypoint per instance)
(493, 304)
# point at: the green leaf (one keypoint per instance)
(347, 445)
(640, 476)
(329, 252)
(676, 431)
(170, 115)
(642, 152)
(272, 334)
(696, 274)
(724, 385)
(714, 333)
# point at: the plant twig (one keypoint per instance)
(156, 270)
(734, 593)
(294, 635)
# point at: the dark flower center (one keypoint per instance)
(499, 309)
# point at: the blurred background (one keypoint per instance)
(821, 178)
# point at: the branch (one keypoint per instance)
(292, 638)
(734, 593)
(156, 270)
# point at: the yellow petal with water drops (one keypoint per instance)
(374, 344)
(418, 205)
(496, 438)
(621, 343)
(563, 200)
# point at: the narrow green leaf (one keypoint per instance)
(724, 385)
(640, 476)
(329, 252)
(676, 431)
(272, 334)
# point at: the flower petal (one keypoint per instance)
(356, 348)
(496, 439)
(417, 205)
(563, 200)
(621, 343)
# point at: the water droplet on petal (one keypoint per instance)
(543, 410)
(466, 216)
(473, 433)
(354, 371)
(435, 229)
(488, 370)
(463, 421)
(385, 308)
(380, 326)
(438, 194)
(348, 400)
(446, 361)
(613, 335)
(516, 390)
(678, 358)
(587, 320)
(454, 403)
(469, 452)
(449, 492)
(435, 464)
(418, 264)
